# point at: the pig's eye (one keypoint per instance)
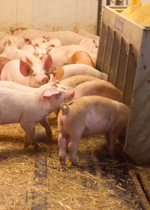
(58, 95)
(34, 74)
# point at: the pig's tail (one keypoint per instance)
(65, 108)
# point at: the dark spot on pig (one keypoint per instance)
(142, 55)
(144, 66)
(70, 103)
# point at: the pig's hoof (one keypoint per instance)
(62, 161)
(27, 144)
(74, 163)
(36, 146)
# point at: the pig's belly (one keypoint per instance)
(95, 127)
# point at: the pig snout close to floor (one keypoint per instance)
(77, 69)
(28, 108)
(88, 116)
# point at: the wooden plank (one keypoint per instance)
(102, 46)
(137, 144)
(114, 58)
(122, 64)
(108, 50)
(130, 75)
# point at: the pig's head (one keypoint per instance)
(53, 96)
(36, 78)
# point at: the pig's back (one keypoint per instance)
(73, 81)
(98, 87)
(82, 69)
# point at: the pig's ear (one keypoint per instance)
(29, 61)
(25, 69)
(47, 63)
(50, 92)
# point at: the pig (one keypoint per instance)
(3, 34)
(51, 44)
(21, 72)
(29, 108)
(61, 55)
(29, 48)
(81, 57)
(98, 87)
(77, 69)
(40, 68)
(66, 37)
(3, 61)
(89, 45)
(11, 40)
(86, 33)
(88, 116)
(73, 81)
(38, 41)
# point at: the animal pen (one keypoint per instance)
(34, 179)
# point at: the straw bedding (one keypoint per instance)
(91, 186)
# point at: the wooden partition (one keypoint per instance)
(124, 55)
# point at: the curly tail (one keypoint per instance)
(65, 108)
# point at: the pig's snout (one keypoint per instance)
(44, 80)
(65, 109)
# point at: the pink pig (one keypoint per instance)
(61, 55)
(73, 81)
(66, 37)
(100, 88)
(87, 116)
(23, 73)
(29, 108)
(77, 69)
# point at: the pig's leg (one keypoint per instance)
(72, 146)
(62, 141)
(107, 139)
(44, 122)
(30, 135)
(112, 142)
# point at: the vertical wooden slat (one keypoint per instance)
(114, 58)
(102, 45)
(137, 144)
(122, 64)
(108, 51)
(130, 75)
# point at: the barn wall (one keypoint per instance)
(49, 15)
